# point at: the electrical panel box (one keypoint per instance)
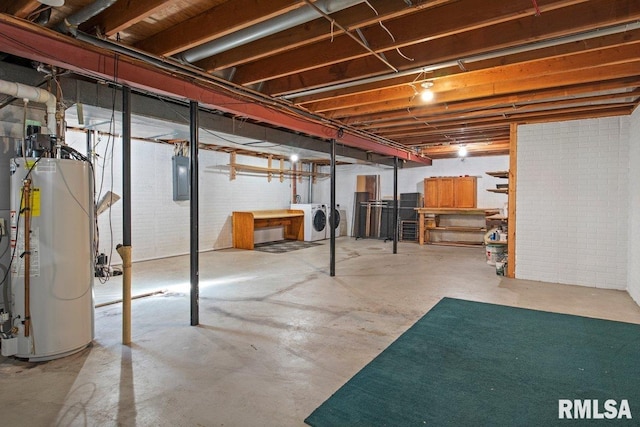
(180, 178)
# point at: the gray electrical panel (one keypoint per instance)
(180, 178)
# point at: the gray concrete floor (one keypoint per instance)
(277, 334)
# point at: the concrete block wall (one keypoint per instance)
(411, 180)
(633, 276)
(160, 226)
(573, 202)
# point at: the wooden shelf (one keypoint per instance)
(457, 211)
(459, 229)
(460, 244)
(288, 172)
(499, 174)
(497, 216)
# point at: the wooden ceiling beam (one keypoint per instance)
(448, 116)
(216, 22)
(499, 87)
(464, 129)
(353, 18)
(611, 40)
(553, 24)
(497, 101)
(493, 148)
(546, 68)
(574, 113)
(122, 15)
(454, 128)
(474, 132)
(446, 20)
(456, 139)
(19, 8)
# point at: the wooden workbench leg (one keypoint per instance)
(421, 227)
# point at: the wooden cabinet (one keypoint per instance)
(465, 192)
(431, 186)
(450, 192)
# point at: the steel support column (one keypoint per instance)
(332, 241)
(125, 249)
(395, 205)
(194, 202)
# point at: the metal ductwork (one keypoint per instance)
(71, 23)
(34, 94)
(283, 22)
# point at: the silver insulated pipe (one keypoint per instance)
(280, 23)
(71, 23)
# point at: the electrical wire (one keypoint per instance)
(393, 39)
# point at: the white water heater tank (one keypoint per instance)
(60, 293)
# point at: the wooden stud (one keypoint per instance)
(511, 221)
(269, 165)
(232, 163)
(281, 170)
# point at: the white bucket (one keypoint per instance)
(495, 252)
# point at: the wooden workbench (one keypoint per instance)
(245, 223)
(422, 212)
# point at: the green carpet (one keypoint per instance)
(473, 364)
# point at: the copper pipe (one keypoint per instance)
(26, 197)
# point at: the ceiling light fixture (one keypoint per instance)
(53, 3)
(294, 158)
(427, 94)
(462, 151)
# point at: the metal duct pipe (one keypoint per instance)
(70, 23)
(264, 29)
(18, 90)
(578, 37)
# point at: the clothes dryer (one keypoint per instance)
(315, 220)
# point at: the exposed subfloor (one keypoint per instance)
(277, 334)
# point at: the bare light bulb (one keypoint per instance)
(462, 151)
(426, 95)
(294, 158)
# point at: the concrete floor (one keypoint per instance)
(277, 337)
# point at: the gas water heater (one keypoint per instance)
(52, 305)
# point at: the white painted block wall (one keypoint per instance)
(160, 226)
(411, 180)
(573, 202)
(633, 277)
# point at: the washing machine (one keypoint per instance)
(315, 220)
(336, 228)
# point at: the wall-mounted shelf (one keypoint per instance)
(270, 171)
(499, 174)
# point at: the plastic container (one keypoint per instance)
(501, 267)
